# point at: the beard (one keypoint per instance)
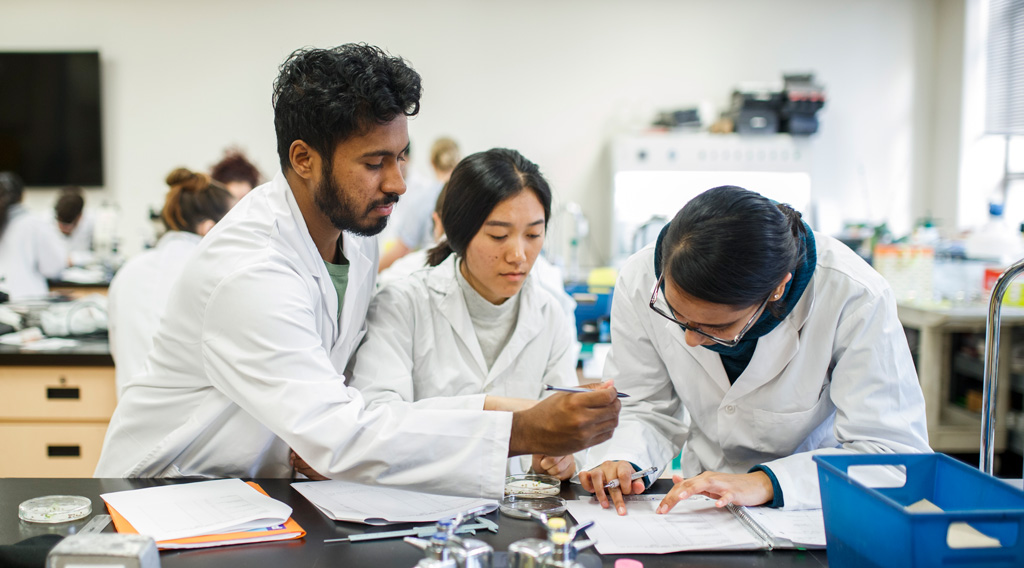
(345, 215)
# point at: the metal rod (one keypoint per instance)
(991, 376)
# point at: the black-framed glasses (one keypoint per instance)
(726, 342)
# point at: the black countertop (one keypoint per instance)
(311, 550)
(90, 352)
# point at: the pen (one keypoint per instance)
(615, 482)
(576, 389)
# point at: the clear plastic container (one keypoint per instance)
(55, 509)
(532, 484)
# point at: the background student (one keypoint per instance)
(751, 343)
(139, 291)
(31, 248)
(235, 172)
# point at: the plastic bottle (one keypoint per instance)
(995, 241)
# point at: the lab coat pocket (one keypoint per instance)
(781, 433)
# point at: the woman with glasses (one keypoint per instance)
(750, 343)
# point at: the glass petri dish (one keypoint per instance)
(532, 484)
(55, 509)
(520, 506)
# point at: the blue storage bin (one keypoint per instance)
(867, 526)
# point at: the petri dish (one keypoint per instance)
(520, 506)
(532, 484)
(55, 509)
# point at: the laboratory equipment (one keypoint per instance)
(561, 550)
(55, 509)
(105, 550)
(446, 550)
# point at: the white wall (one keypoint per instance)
(554, 79)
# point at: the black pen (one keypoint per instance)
(577, 389)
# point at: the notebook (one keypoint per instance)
(203, 514)
(696, 524)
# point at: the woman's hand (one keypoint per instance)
(748, 489)
(302, 467)
(593, 481)
(562, 467)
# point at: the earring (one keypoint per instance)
(775, 297)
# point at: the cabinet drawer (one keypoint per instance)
(50, 450)
(57, 393)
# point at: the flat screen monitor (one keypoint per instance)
(50, 121)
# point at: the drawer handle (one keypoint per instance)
(66, 393)
(64, 451)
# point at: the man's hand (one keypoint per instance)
(302, 467)
(749, 489)
(563, 424)
(562, 467)
(593, 480)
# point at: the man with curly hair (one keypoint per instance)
(249, 361)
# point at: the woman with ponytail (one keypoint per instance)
(31, 248)
(475, 324)
(139, 290)
(751, 343)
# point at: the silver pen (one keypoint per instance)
(634, 477)
(577, 389)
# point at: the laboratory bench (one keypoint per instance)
(311, 550)
(55, 408)
(948, 346)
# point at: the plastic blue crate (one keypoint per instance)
(869, 526)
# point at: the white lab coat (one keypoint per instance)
(138, 298)
(422, 325)
(31, 250)
(248, 362)
(835, 376)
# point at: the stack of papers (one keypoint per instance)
(346, 501)
(203, 514)
(696, 524)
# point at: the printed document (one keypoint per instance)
(353, 502)
(192, 509)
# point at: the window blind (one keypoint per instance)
(1004, 93)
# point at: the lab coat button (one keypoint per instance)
(730, 409)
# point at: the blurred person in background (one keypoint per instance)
(31, 249)
(414, 218)
(236, 173)
(139, 290)
(76, 223)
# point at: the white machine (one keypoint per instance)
(656, 174)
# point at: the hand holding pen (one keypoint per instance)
(634, 477)
(611, 480)
(577, 389)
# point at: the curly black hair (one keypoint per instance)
(324, 96)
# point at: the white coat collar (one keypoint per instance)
(310, 258)
(171, 237)
(447, 296)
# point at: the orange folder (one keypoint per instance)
(289, 530)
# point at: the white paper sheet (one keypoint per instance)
(804, 529)
(694, 524)
(346, 501)
(194, 509)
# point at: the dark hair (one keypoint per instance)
(324, 96)
(192, 199)
(478, 184)
(732, 246)
(11, 189)
(69, 205)
(235, 167)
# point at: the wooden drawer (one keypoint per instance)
(57, 394)
(50, 450)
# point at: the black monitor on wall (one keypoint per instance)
(50, 119)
